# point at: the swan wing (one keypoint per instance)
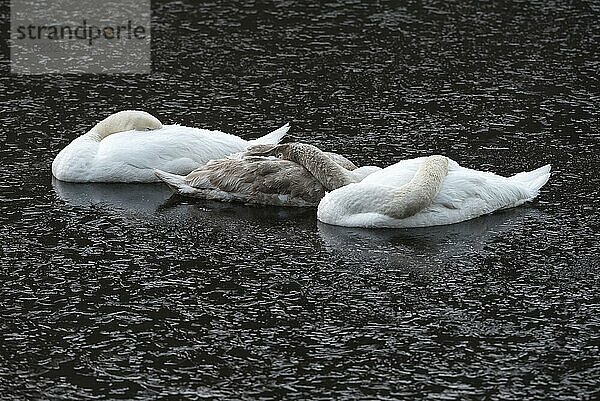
(256, 180)
(282, 177)
(133, 155)
(466, 194)
(467, 188)
(463, 187)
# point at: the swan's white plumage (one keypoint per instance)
(129, 145)
(464, 194)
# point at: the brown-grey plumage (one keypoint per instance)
(285, 150)
(252, 178)
(270, 181)
(331, 171)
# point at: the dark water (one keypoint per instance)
(115, 291)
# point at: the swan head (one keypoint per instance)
(125, 121)
(281, 151)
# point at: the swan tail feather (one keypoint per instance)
(176, 182)
(533, 180)
(273, 137)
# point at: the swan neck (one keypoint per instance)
(419, 192)
(110, 125)
(330, 174)
(123, 121)
(95, 135)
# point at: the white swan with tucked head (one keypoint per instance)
(426, 191)
(127, 146)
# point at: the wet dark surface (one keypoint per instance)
(115, 292)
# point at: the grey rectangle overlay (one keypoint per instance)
(80, 37)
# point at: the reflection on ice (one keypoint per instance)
(137, 198)
(422, 246)
(157, 201)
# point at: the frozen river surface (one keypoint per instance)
(117, 291)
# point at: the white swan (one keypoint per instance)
(301, 180)
(426, 191)
(127, 146)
